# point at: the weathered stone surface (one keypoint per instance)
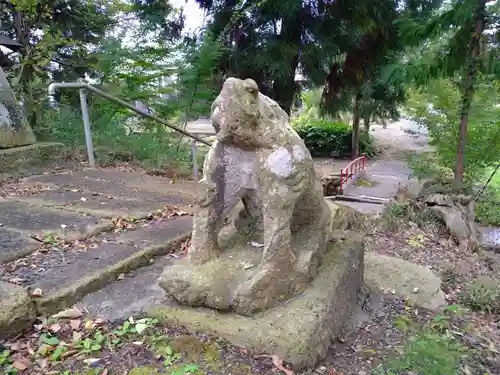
(345, 218)
(14, 244)
(27, 158)
(31, 219)
(301, 330)
(457, 212)
(259, 159)
(14, 129)
(135, 295)
(65, 281)
(405, 279)
(17, 310)
(102, 205)
(122, 184)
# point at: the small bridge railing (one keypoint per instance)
(84, 87)
(349, 171)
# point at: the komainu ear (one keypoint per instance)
(251, 86)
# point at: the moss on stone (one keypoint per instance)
(14, 159)
(301, 330)
(144, 371)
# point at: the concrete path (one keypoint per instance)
(66, 235)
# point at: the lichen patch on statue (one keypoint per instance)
(259, 160)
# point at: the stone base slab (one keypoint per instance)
(14, 159)
(301, 330)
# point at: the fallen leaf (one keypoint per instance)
(277, 362)
(55, 327)
(42, 362)
(21, 364)
(75, 323)
(91, 361)
(89, 324)
(37, 292)
(120, 276)
(71, 313)
(138, 343)
(15, 346)
(104, 372)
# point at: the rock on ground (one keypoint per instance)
(17, 310)
(404, 279)
(14, 129)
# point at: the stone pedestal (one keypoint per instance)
(299, 330)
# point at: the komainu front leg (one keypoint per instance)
(204, 238)
(211, 211)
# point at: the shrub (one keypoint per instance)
(326, 138)
(482, 295)
(152, 148)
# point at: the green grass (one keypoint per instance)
(429, 350)
(155, 148)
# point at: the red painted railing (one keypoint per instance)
(350, 170)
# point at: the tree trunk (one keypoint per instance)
(355, 128)
(468, 92)
(366, 123)
(284, 87)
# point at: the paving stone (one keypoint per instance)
(120, 184)
(17, 310)
(14, 245)
(67, 278)
(101, 205)
(135, 295)
(32, 219)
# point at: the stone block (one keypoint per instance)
(13, 160)
(299, 330)
(17, 310)
(405, 279)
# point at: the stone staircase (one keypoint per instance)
(98, 238)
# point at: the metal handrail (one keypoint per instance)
(85, 113)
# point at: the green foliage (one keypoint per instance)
(395, 214)
(482, 295)
(325, 138)
(442, 120)
(6, 363)
(429, 350)
(156, 148)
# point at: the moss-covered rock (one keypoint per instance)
(14, 129)
(17, 310)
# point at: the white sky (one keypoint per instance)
(192, 12)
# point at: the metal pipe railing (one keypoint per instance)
(83, 87)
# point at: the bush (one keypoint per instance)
(482, 295)
(326, 138)
(154, 148)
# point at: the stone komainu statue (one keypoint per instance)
(257, 159)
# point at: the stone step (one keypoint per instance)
(20, 221)
(134, 295)
(120, 183)
(105, 206)
(64, 276)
